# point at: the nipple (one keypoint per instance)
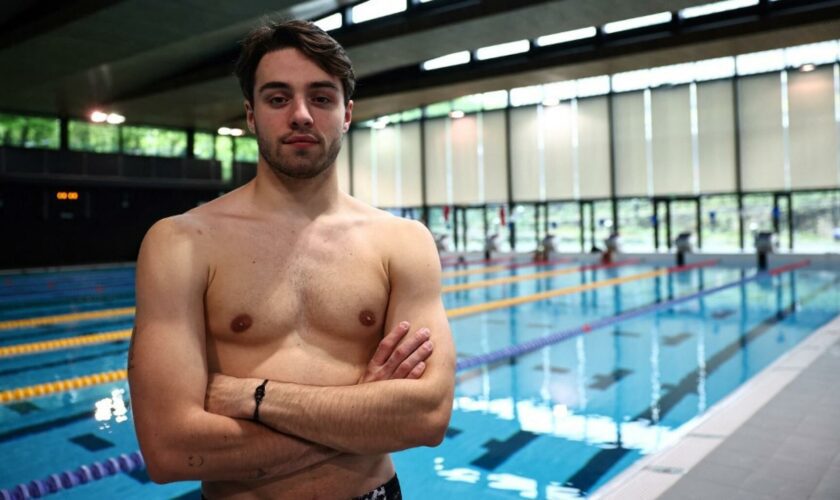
(241, 323)
(367, 318)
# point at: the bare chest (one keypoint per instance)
(324, 296)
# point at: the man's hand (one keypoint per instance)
(224, 396)
(399, 355)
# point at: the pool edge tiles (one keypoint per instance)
(653, 475)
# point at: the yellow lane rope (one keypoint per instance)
(44, 389)
(125, 334)
(512, 279)
(65, 318)
(514, 301)
(113, 376)
(49, 345)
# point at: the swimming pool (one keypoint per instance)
(567, 373)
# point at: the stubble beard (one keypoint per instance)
(301, 164)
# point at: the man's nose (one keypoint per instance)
(301, 118)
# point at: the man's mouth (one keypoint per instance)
(301, 140)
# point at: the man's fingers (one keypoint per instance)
(387, 345)
(408, 347)
(418, 370)
(417, 357)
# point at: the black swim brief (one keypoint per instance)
(388, 491)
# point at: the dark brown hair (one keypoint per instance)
(304, 36)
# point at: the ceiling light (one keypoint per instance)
(503, 49)
(567, 36)
(381, 122)
(223, 131)
(715, 7)
(98, 116)
(453, 59)
(551, 102)
(236, 132)
(456, 114)
(329, 23)
(637, 22)
(807, 67)
(115, 119)
(374, 9)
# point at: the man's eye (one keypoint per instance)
(277, 100)
(322, 100)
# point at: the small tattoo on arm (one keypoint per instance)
(195, 461)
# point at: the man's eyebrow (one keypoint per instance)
(321, 84)
(274, 85)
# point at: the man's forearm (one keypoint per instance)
(379, 417)
(210, 447)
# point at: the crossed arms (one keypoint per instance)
(405, 399)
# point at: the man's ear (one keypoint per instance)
(249, 116)
(348, 116)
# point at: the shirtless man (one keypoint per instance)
(259, 363)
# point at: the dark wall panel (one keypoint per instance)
(105, 224)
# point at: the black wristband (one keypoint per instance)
(259, 394)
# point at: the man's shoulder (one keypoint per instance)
(182, 226)
(398, 226)
(197, 222)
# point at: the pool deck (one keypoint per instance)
(776, 437)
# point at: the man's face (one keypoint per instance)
(298, 114)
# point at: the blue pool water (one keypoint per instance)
(555, 422)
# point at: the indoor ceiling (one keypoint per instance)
(169, 63)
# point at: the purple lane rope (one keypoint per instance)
(74, 477)
(533, 345)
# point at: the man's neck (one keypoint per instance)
(309, 198)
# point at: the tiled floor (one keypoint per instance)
(777, 438)
(790, 449)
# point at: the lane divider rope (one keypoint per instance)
(64, 318)
(46, 388)
(49, 345)
(515, 301)
(450, 263)
(533, 276)
(74, 477)
(533, 345)
(35, 347)
(493, 269)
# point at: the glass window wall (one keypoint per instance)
(816, 222)
(203, 146)
(564, 224)
(758, 217)
(150, 141)
(683, 219)
(224, 153)
(524, 218)
(29, 131)
(603, 221)
(635, 224)
(475, 229)
(247, 149)
(440, 223)
(719, 219)
(495, 213)
(93, 137)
